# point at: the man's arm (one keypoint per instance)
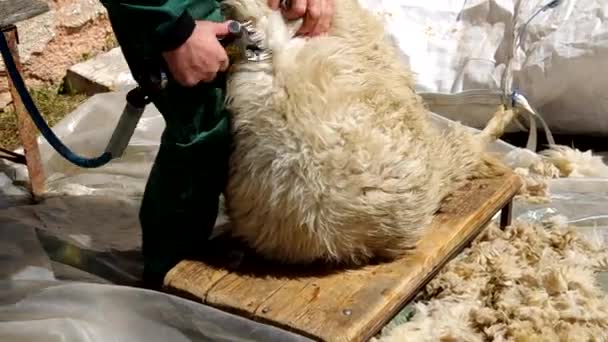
(177, 30)
(166, 23)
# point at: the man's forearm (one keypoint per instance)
(163, 24)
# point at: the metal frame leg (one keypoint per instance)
(506, 214)
(27, 129)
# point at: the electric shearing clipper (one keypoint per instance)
(243, 44)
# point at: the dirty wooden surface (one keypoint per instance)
(14, 11)
(25, 125)
(347, 305)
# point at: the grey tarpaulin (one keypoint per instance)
(66, 264)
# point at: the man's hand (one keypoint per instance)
(317, 14)
(201, 57)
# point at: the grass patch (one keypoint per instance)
(51, 103)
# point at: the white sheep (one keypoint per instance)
(335, 157)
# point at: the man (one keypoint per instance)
(180, 203)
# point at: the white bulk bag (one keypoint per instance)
(467, 54)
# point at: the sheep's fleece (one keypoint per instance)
(530, 282)
(335, 156)
(558, 161)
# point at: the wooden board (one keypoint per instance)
(14, 11)
(25, 124)
(347, 305)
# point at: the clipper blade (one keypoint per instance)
(256, 50)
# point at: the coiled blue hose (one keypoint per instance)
(45, 130)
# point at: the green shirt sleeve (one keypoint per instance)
(157, 25)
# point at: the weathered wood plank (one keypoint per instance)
(14, 11)
(347, 305)
(199, 281)
(25, 124)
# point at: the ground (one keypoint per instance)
(72, 31)
(53, 106)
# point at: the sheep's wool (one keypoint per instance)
(573, 163)
(558, 161)
(530, 282)
(534, 188)
(335, 157)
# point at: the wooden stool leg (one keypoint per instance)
(27, 129)
(505, 215)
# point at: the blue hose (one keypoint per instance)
(46, 132)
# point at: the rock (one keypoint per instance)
(69, 47)
(105, 72)
(80, 12)
(5, 100)
(34, 35)
(63, 21)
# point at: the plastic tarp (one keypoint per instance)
(467, 53)
(69, 265)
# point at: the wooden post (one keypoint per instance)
(506, 214)
(27, 129)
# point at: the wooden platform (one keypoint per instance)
(343, 305)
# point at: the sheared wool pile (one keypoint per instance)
(530, 282)
(558, 161)
(574, 163)
(535, 187)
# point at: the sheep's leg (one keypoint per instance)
(496, 126)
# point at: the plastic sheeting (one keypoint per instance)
(67, 264)
(476, 49)
(83, 312)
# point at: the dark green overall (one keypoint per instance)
(180, 203)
